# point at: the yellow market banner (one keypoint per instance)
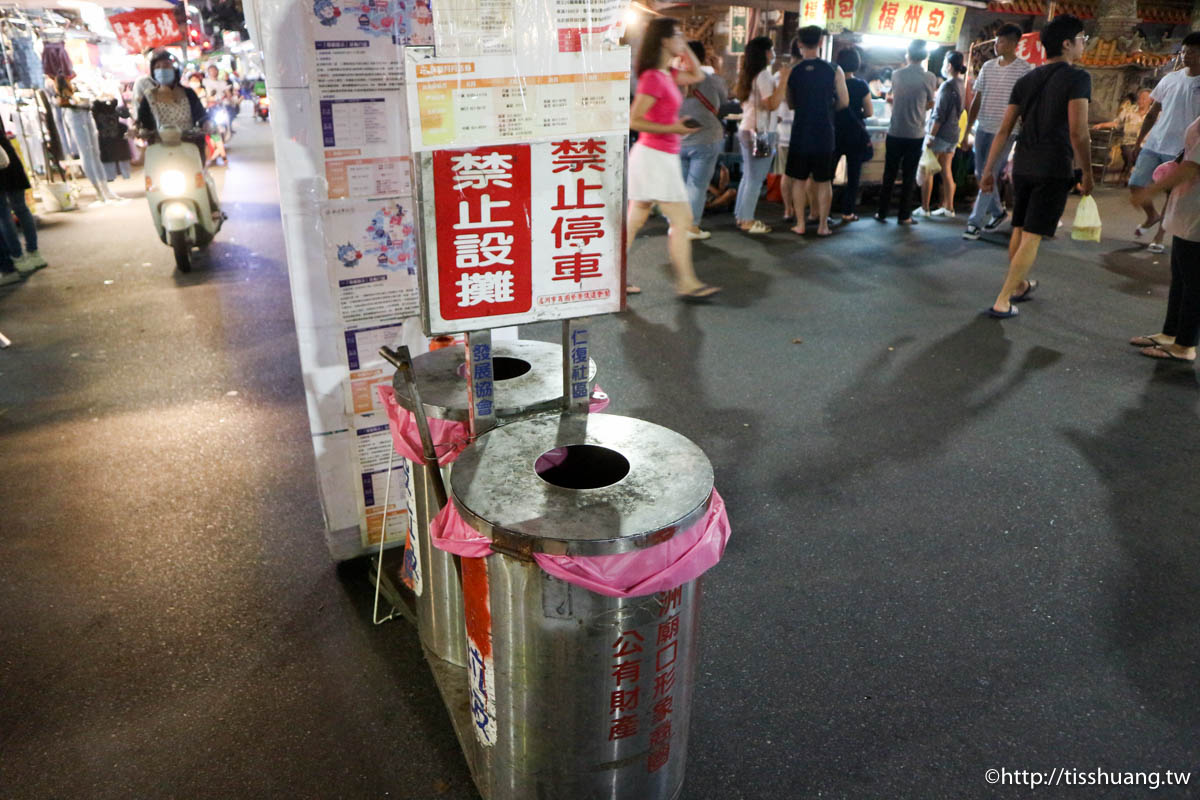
(835, 16)
(933, 22)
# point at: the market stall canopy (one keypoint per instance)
(74, 5)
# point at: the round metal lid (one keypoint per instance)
(665, 488)
(442, 383)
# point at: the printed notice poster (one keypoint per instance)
(504, 27)
(522, 233)
(367, 368)
(488, 99)
(373, 444)
(371, 251)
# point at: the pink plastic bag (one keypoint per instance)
(682, 558)
(449, 437)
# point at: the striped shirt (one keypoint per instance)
(995, 85)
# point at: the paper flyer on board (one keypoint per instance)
(366, 368)
(373, 448)
(493, 99)
(371, 254)
(503, 27)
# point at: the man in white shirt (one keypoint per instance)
(1176, 104)
(993, 87)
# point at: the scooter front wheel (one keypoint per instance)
(183, 251)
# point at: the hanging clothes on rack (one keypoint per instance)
(27, 67)
(114, 147)
(56, 62)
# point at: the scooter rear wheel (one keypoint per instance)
(183, 251)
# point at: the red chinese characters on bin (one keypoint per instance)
(666, 652)
(576, 223)
(483, 231)
(626, 672)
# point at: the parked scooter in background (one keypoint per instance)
(262, 108)
(182, 197)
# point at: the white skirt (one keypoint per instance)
(655, 176)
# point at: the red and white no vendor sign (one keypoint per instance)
(520, 233)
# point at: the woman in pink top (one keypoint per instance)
(655, 173)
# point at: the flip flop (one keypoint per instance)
(631, 289)
(798, 232)
(1157, 247)
(1145, 341)
(1164, 354)
(850, 218)
(1021, 297)
(826, 233)
(1142, 230)
(700, 294)
(909, 221)
(994, 314)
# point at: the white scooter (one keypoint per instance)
(183, 199)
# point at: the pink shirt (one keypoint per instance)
(667, 99)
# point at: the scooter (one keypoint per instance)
(182, 196)
(262, 108)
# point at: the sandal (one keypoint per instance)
(1021, 297)
(850, 218)
(757, 228)
(1157, 247)
(699, 294)
(631, 289)
(1147, 341)
(1165, 354)
(1142, 230)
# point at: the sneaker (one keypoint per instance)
(694, 235)
(10, 277)
(29, 263)
(920, 212)
(996, 222)
(35, 258)
(972, 232)
(941, 212)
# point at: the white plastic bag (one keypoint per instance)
(1086, 227)
(929, 162)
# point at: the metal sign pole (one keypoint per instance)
(481, 392)
(402, 361)
(576, 360)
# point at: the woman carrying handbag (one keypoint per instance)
(759, 95)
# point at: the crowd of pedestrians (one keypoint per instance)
(805, 118)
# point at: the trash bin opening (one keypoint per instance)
(581, 466)
(503, 368)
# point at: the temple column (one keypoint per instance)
(1116, 18)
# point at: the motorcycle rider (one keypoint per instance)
(169, 103)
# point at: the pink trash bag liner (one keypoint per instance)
(684, 557)
(449, 437)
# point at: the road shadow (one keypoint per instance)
(1137, 266)
(1150, 450)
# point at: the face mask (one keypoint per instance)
(164, 76)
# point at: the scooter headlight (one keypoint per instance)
(173, 183)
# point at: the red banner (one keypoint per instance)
(482, 197)
(1030, 48)
(139, 30)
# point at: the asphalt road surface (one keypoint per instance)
(959, 545)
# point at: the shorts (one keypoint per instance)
(655, 176)
(1143, 168)
(942, 146)
(802, 165)
(1038, 203)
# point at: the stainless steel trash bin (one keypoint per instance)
(574, 694)
(528, 381)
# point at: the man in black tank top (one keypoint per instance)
(815, 90)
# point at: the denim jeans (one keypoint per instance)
(988, 204)
(10, 203)
(84, 131)
(699, 161)
(111, 168)
(754, 173)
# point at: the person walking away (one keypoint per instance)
(759, 95)
(1181, 218)
(1176, 103)
(850, 130)
(15, 265)
(913, 89)
(700, 149)
(815, 90)
(993, 88)
(942, 133)
(655, 175)
(1051, 103)
(108, 114)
